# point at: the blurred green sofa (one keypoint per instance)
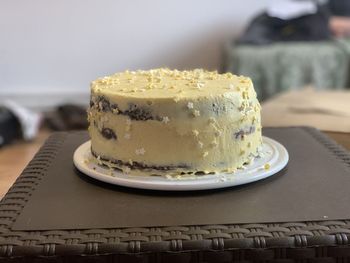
(291, 65)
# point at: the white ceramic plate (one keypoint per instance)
(274, 154)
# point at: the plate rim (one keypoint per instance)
(193, 184)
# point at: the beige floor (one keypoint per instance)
(14, 157)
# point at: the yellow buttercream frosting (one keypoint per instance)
(165, 121)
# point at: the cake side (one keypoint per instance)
(171, 121)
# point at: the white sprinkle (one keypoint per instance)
(223, 178)
(127, 170)
(190, 105)
(165, 119)
(128, 121)
(218, 133)
(196, 113)
(104, 119)
(140, 151)
(200, 144)
(212, 120)
(127, 136)
(200, 85)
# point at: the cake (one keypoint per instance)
(170, 122)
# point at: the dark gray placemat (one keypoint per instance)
(314, 186)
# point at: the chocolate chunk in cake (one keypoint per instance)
(108, 134)
(138, 113)
(242, 132)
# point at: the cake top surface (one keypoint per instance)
(166, 83)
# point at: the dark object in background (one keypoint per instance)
(339, 7)
(266, 30)
(10, 128)
(67, 117)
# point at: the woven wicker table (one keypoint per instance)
(55, 214)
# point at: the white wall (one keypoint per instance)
(51, 50)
